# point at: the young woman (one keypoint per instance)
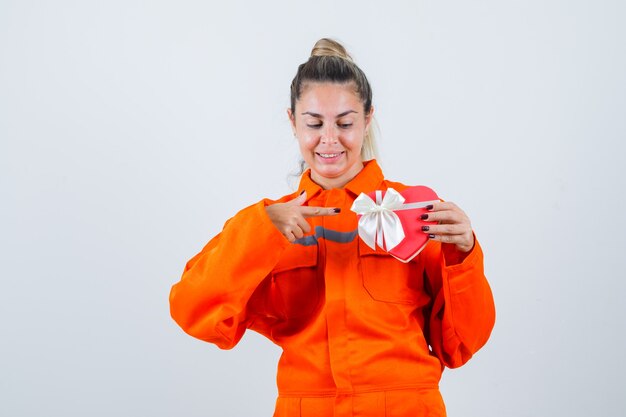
(362, 333)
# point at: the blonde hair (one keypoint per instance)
(330, 62)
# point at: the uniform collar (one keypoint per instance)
(368, 179)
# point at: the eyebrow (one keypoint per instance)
(319, 116)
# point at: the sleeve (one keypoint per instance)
(209, 302)
(463, 311)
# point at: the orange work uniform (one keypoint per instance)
(362, 333)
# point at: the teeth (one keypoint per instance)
(329, 155)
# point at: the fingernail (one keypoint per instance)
(429, 207)
(337, 210)
(424, 216)
(302, 192)
(431, 236)
(425, 228)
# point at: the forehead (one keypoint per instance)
(328, 98)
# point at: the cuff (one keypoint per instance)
(455, 259)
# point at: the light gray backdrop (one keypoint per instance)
(131, 130)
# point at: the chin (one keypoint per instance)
(330, 172)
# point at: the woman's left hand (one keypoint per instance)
(454, 226)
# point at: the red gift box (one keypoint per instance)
(391, 220)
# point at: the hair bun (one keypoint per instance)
(329, 47)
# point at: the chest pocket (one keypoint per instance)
(296, 286)
(389, 280)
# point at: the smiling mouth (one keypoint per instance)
(329, 155)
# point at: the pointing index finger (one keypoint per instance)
(308, 211)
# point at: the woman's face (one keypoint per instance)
(330, 125)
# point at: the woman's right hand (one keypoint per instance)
(290, 217)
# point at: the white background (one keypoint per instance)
(131, 130)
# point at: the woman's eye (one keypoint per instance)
(345, 125)
(315, 126)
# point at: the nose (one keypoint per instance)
(329, 135)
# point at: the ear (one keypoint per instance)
(292, 120)
(369, 117)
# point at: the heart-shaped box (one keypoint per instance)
(416, 199)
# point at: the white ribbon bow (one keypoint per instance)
(378, 223)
